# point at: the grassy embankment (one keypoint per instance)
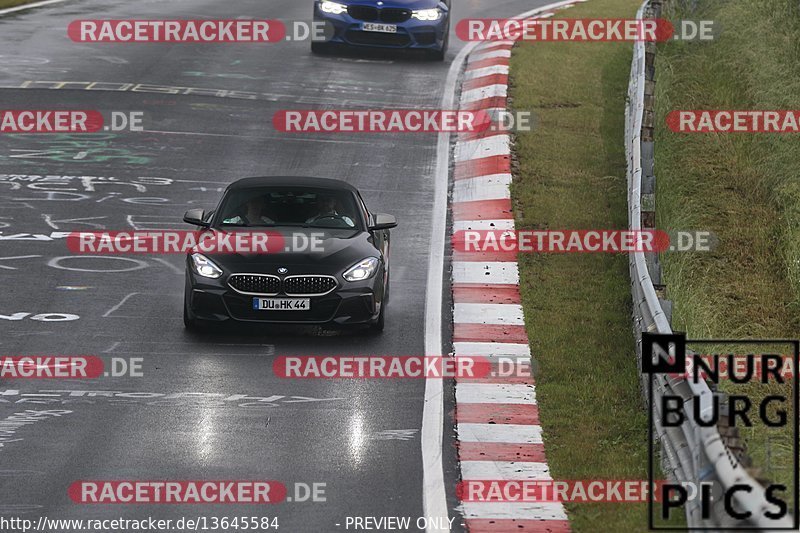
(743, 187)
(13, 3)
(571, 175)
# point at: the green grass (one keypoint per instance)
(571, 175)
(12, 3)
(743, 187)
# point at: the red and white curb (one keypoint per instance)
(497, 418)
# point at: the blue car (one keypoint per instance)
(398, 24)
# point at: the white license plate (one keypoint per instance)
(382, 28)
(282, 304)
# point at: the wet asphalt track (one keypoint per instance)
(360, 438)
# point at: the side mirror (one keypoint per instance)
(196, 217)
(383, 221)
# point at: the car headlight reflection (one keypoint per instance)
(333, 8)
(427, 14)
(362, 270)
(205, 267)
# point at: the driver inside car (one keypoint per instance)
(327, 209)
(251, 214)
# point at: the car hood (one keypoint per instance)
(340, 249)
(408, 4)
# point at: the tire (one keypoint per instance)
(191, 323)
(319, 48)
(380, 323)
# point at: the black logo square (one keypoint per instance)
(663, 366)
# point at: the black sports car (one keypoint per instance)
(342, 280)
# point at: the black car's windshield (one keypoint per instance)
(306, 207)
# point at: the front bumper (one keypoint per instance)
(413, 33)
(352, 303)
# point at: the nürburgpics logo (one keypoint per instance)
(755, 398)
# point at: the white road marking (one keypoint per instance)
(482, 93)
(499, 224)
(490, 146)
(516, 511)
(494, 187)
(489, 349)
(16, 257)
(485, 71)
(113, 346)
(488, 314)
(504, 272)
(434, 501)
(30, 6)
(504, 433)
(517, 470)
(467, 392)
(116, 307)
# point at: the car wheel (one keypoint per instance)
(189, 321)
(379, 324)
(319, 48)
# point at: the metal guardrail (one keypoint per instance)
(690, 453)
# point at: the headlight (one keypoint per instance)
(427, 14)
(362, 270)
(334, 8)
(205, 267)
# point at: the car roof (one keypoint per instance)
(291, 181)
